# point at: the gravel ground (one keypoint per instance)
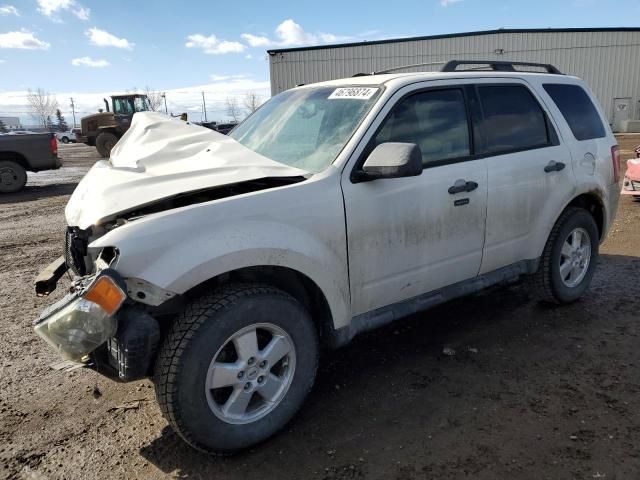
(532, 392)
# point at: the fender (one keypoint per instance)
(302, 229)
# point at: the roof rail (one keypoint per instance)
(500, 66)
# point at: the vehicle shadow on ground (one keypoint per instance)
(37, 192)
(395, 385)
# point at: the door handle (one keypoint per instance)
(553, 166)
(462, 186)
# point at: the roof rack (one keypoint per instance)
(500, 66)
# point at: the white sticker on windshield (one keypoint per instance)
(357, 93)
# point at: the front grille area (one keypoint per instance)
(75, 249)
(635, 184)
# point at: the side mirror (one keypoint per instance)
(392, 160)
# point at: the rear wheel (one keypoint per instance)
(105, 142)
(236, 366)
(569, 258)
(13, 176)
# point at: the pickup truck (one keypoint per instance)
(22, 153)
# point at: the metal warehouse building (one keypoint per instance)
(607, 58)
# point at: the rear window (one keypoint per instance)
(513, 119)
(577, 109)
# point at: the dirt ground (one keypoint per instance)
(533, 392)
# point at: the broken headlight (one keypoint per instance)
(83, 320)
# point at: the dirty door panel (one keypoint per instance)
(409, 236)
(530, 174)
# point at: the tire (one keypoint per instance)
(202, 333)
(105, 142)
(549, 284)
(13, 176)
(64, 140)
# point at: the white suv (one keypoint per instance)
(219, 266)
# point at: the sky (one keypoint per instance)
(88, 49)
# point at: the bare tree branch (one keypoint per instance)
(154, 97)
(42, 106)
(233, 109)
(252, 101)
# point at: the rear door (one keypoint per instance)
(589, 137)
(529, 170)
(408, 236)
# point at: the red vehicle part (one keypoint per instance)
(631, 182)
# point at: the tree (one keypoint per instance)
(42, 106)
(62, 124)
(49, 124)
(233, 109)
(3, 127)
(252, 101)
(155, 99)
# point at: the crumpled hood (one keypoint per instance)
(159, 157)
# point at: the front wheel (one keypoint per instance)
(105, 142)
(236, 366)
(569, 258)
(64, 140)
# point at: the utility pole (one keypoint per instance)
(73, 109)
(204, 108)
(164, 97)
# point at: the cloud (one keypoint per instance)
(102, 38)
(1, 60)
(51, 8)
(89, 62)
(212, 45)
(222, 78)
(290, 33)
(256, 41)
(23, 39)
(446, 3)
(9, 10)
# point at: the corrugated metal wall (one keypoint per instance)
(609, 61)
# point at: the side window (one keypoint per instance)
(577, 109)
(435, 120)
(513, 119)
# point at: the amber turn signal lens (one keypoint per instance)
(107, 294)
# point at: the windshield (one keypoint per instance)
(306, 128)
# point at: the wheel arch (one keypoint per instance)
(593, 203)
(15, 157)
(295, 283)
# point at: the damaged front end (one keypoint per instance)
(85, 318)
(159, 165)
(98, 325)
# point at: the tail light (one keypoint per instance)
(615, 158)
(54, 145)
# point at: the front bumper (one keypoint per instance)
(121, 346)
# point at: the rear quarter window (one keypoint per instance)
(577, 109)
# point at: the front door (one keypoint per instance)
(408, 236)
